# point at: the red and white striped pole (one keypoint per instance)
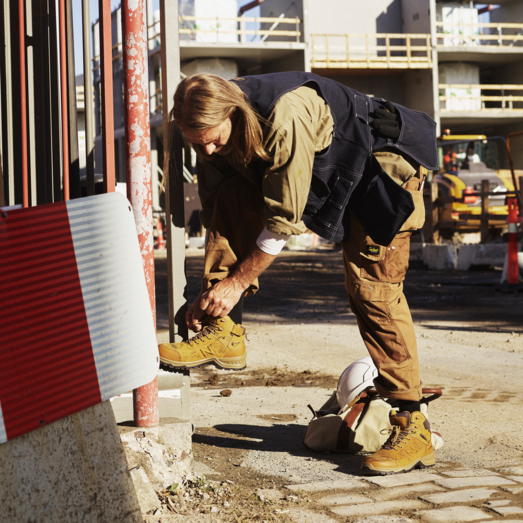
(138, 165)
(512, 247)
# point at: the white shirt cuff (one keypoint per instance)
(270, 242)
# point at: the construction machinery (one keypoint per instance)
(470, 172)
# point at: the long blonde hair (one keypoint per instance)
(203, 101)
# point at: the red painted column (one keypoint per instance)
(23, 100)
(63, 88)
(138, 166)
(106, 89)
(512, 246)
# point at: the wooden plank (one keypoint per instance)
(479, 24)
(478, 217)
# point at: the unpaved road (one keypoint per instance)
(301, 337)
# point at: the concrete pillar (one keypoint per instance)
(72, 470)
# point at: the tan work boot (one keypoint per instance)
(408, 447)
(221, 342)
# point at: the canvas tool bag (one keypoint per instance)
(361, 428)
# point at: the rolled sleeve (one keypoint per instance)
(287, 181)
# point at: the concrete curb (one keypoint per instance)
(461, 258)
(435, 257)
(493, 254)
(163, 453)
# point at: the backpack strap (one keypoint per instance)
(345, 431)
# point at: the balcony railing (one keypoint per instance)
(240, 29)
(479, 35)
(371, 51)
(221, 30)
(481, 98)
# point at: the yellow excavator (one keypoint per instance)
(465, 161)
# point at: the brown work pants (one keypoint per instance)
(373, 279)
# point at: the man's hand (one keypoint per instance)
(221, 297)
(194, 315)
(224, 295)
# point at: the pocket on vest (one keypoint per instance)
(318, 192)
(332, 209)
(341, 193)
(382, 206)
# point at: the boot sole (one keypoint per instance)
(236, 363)
(421, 463)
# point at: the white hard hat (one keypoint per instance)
(355, 379)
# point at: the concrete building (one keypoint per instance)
(460, 62)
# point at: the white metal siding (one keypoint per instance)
(114, 292)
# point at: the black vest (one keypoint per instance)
(347, 177)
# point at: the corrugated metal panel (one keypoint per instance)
(47, 368)
(114, 292)
(76, 325)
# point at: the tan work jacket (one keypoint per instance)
(300, 125)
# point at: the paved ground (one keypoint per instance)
(301, 336)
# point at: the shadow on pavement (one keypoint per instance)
(280, 438)
(309, 287)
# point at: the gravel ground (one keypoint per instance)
(301, 337)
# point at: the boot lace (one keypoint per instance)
(397, 435)
(205, 333)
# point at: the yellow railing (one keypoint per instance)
(195, 26)
(371, 51)
(479, 34)
(472, 98)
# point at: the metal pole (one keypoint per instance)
(63, 93)
(88, 101)
(72, 138)
(106, 86)
(173, 174)
(31, 145)
(138, 168)
(9, 106)
(435, 66)
(23, 100)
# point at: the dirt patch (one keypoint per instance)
(229, 492)
(274, 377)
